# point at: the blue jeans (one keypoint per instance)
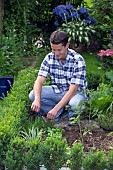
(49, 99)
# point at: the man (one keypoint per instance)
(67, 70)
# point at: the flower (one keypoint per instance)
(83, 12)
(67, 13)
(61, 12)
(103, 53)
(76, 23)
(85, 16)
(74, 15)
(107, 62)
(90, 20)
(69, 7)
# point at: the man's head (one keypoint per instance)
(59, 44)
(59, 37)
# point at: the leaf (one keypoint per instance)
(110, 75)
(80, 39)
(73, 34)
(86, 38)
(81, 33)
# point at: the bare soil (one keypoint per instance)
(92, 136)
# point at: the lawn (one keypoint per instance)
(92, 63)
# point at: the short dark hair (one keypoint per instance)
(59, 37)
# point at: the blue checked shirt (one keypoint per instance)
(72, 71)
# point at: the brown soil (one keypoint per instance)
(92, 136)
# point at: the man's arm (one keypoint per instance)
(37, 93)
(70, 93)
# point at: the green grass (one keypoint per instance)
(92, 64)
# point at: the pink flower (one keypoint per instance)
(108, 52)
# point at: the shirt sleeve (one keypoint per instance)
(44, 68)
(79, 73)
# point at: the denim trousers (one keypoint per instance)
(49, 99)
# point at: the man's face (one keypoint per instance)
(59, 50)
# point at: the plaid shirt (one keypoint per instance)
(73, 71)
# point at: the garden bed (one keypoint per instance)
(93, 136)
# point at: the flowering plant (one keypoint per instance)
(106, 57)
(77, 23)
(67, 13)
(104, 53)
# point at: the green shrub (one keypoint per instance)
(32, 157)
(94, 79)
(76, 156)
(14, 155)
(14, 110)
(110, 160)
(24, 153)
(100, 100)
(53, 150)
(106, 121)
(95, 161)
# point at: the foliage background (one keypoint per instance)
(22, 23)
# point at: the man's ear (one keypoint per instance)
(67, 45)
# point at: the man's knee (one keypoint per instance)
(76, 102)
(31, 96)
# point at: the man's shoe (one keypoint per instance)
(60, 117)
(42, 116)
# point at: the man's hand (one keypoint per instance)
(37, 93)
(51, 114)
(35, 106)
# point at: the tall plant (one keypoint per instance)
(102, 10)
(1, 19)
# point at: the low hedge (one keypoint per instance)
(14, 109)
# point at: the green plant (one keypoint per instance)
(110, 75)
(54, 150)
(76, 156)
(78, 32)
(100, 105)
(76, 120)
(14, 110)
(14, 155)
(106, 120)
(95, 161)
(110, 160)
(103, 13)
(100, 100)
(32, 156)
(32, 133)
(76, 23)
(93, 79)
